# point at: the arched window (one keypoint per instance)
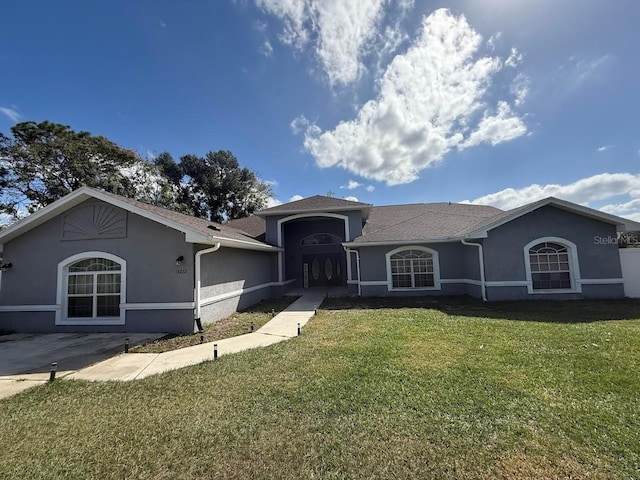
(413, 268)
(551, 265)
(92, 289)
(320, 239)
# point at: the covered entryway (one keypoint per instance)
(313, 251)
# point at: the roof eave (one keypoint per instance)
(84, 193)
(230, 243)
(404, 242)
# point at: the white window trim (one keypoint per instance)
(574, 266)
(61, 295)
(436, 269)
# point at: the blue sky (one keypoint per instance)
(494, 101)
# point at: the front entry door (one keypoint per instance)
(322, 270)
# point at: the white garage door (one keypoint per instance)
(630, 261)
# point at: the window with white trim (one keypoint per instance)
(550, 266)
(412, 269)
(94, 287)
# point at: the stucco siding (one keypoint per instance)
(169, 321)
(230, 270)
(457, 262)
(233, 279)
(382, 291)
(597, 260)
(452, 258)
(521, 293)
(149, 249)
(504, 254)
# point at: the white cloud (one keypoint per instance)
(604, 148)
(498, 128)
(296, 198)
(340, 31)
(273, 202)
(514, 59)
(162, 24)
(266, 49)
(494, 40)
(431, 99)
(584, 191)
(370, 188)
(351, 185)
(520, 89)
(351, 199)
(12, 113)
(299, 124)
(271, 183)
(630, 209)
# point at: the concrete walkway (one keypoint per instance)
(132, 366)
(25, 358)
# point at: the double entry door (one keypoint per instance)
(322, 270)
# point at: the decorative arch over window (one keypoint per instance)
(413, 268)
(552, 266)
(92, 289)
(320, 239)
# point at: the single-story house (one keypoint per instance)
(93, 261)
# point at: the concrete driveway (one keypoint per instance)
(25, 358)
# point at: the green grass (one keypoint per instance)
(450, 389)
(237, 324)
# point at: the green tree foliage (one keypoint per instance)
(45, 161)
(215, 186)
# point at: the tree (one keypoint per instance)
(45, 161)
(217, 187)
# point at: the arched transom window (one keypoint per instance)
(93, 289)
(412, 268)
(550, 266)
(320, 239)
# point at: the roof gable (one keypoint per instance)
(481, 231)
(317, 203)
(196, 230)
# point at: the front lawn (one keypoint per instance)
(381, 389)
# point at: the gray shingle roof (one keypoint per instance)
(424, 221)
(253, 225)
(317, 203)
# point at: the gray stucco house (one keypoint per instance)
(94, 261)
